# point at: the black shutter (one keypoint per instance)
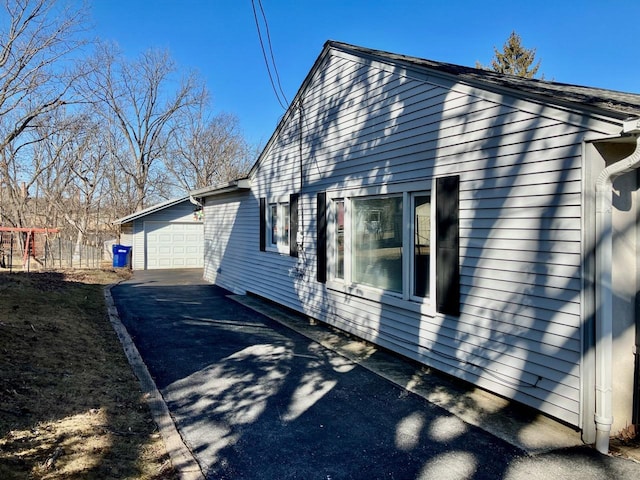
(293, 224)
(263, 224)
(322, 238)
(447, 245)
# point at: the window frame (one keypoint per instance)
(432, 272)
(276, 239)
(335, 238)
(406, 298)
(349, 238)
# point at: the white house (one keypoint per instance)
(165, 235)
(484, 225)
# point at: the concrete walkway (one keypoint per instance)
(254, 398)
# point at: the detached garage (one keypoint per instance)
(166, 235)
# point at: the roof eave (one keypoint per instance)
(241, 184)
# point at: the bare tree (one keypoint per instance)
(208, 150)
(49, 186)
(76, 175)
(141, 101)
(37, 42)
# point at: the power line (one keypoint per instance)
(273, 59)
(282, 101)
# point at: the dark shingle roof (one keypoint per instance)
(619, 105)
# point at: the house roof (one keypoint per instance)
(616, 104)
(154, 208)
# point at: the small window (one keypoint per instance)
(339, 238)
(273, 223)
(278, 226)
(421, 245)
(285, 223)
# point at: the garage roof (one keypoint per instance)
(154, 208)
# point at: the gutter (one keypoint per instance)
(604, 294)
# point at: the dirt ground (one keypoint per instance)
(70, 406)
(626, 444)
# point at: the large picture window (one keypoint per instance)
(401, 245)
(373, 237)
(376, 242)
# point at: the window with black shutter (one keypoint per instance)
(400, 245)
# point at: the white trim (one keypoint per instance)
(417, 185)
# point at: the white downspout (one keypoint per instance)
(193, 200)
(604, 295)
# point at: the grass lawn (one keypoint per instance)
(70, 406)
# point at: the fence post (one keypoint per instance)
(11, 254)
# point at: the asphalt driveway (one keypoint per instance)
(253, 399)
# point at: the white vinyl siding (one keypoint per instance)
(231, 236)
(365, 126)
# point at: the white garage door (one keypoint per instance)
(174, 245)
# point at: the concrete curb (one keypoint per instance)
(182, 458)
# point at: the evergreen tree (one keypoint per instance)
(514, 59)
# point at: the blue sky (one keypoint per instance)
(585, 42)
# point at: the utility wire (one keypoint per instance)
(273, 59)
(283, 102)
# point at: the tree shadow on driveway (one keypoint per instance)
(254, 399)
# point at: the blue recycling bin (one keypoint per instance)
(121, 256)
